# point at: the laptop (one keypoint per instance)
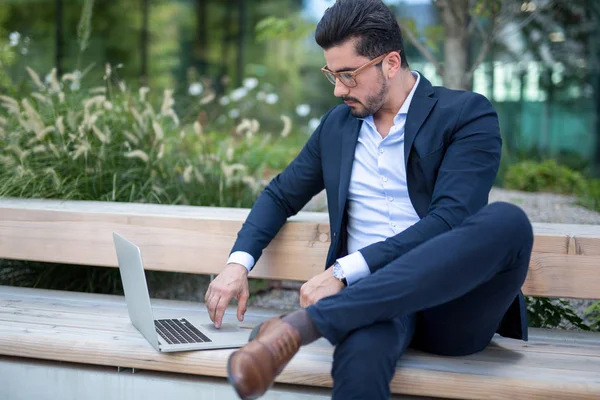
(182, 333)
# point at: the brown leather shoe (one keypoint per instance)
(253, 368)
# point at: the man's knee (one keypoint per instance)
(510, 223)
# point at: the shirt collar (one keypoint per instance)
(406, 104)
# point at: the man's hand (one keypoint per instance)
(320, 286)
(231, 283)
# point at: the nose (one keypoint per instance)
(340, 89)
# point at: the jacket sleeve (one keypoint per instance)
(464, 179)
(285, 195)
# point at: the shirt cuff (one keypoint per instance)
(243, 258)
(355, 267)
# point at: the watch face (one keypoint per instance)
(338, 272)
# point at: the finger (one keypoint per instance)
(242, 305)
(212, 307)
(220, 310)
(211, 299)
(208, 293)
(208, 298)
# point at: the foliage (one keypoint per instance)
(108, 143)
(593, 313)
(291, 28)
(254, 100)
(550, 33)
(10, 47)
(91, 279)
(60, 277)
(546, 176)
(553, 313)
(590, 196)
(84, 29)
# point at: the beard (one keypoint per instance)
(371, 105)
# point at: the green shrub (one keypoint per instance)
(110, 144)
(545, 176)
(590, 195)
(593, 313)
(553, 313)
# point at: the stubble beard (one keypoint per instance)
(372, 103)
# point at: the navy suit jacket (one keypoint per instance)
(452, 148)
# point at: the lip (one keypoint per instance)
(349, 102)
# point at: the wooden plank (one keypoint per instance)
(71, 310)
(232, 214)
(104, 330)
(587, 245)
(115, 320)
(543, 243)
(175, 238)
(178, 244)
(105, 313)
(558, 275)
(311, 369)
(507, 369)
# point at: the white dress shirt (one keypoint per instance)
(378, 202)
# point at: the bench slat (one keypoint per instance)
(563, 275)
(97, 326)
(112, 316)
(566, 260)
(75, 331)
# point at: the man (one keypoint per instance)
(417, 256)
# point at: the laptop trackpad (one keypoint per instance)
(225, 328)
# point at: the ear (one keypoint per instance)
(393, 64)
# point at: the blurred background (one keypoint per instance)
(249, 68)
(201, 102)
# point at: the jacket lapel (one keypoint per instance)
(420, 107)
(349, 133)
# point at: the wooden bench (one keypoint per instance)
(95, 330)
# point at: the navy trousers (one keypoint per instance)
(446, 296)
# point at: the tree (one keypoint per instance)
(59, 51)
(483, 25)
(242, 8)
(201, 42)
(144, 42)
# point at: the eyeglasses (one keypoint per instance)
(348, 78)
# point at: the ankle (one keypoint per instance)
(300, 320)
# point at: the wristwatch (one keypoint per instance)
(338, 273)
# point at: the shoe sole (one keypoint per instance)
(253, 334)
(230, 379)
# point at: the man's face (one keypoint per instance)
(370, 93)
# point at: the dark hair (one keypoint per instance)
(369, 21)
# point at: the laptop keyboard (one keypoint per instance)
(179, 331)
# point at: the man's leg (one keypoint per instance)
(493, 243)
(365, 361)
(467, 324)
